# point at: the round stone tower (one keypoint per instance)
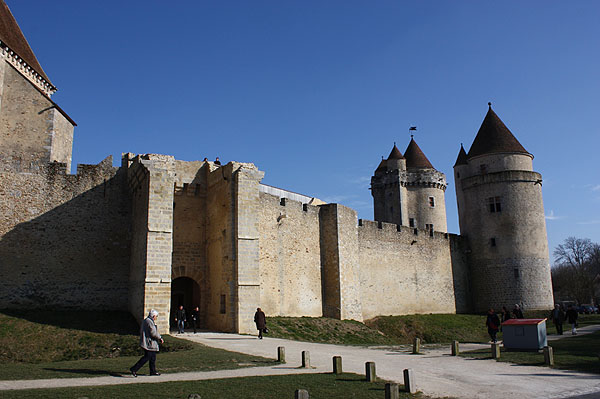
(389, 195)
(501, 214)
(408, 191)
(425, 188)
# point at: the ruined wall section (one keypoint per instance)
(290, 260)
(404, 272)
(340, 262)
(189, 227)
(246, 245)
(151, 179)
(42, 212)
(33, 131)
(220, 250)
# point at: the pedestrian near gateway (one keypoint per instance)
(261, 322)
(149, 339)
(493, 324)
(180, 318)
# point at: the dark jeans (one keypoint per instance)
(260, 331)
(559, 328)
(492, 334)
(148, 356)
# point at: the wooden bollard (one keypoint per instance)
(370, 371)
(305, 359)
(409, 381)
(392, 391)
(301, 394)
(337, 365)
(416, 345)
(495, 351)
(455, 350)
(548, 356)
(281, 354)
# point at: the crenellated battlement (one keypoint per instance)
(395, 229)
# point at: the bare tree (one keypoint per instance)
(577, 264)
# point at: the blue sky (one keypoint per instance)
(315, 92)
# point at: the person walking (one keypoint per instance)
(195, 318)
(493, 323)
(558, 318)
(180, 318)
(517, 312)
(572, 319)
(149, 338)
(505, 314)
(261, 322)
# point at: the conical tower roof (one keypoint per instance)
(494, 137)
(462, 156)
(415, 158)
(395, 154)
(382, 166)
(12, 36)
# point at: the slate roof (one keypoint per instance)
(395, 154)
(462, 156)
(12, 36)
(415, 158)
(382, 166)
(494, 137)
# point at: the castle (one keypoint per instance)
(157, 232)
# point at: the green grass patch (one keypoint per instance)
(57, 345)
(327, 330)
(267, 387)
(578, 353)
(383, 330)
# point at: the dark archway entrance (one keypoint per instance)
(184, 291)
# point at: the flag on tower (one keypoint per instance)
(412, 128)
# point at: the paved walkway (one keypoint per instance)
(437, 373)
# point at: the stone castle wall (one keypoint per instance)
(404, 272)
(290, 263)
(64, 239)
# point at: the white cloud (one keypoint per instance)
(360, 180)
(551, 216)
(596, 187)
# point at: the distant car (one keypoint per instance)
(586, 309)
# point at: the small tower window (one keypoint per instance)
(483, 168)
(429, 228)
(432, 202)
(495, 204)
(411, 222)
(223, 305)
(493, 241)
(516, 273)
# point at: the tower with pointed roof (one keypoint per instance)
(408, 191)
(501, 215)
(34, 130)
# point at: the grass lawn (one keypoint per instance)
(268, 387)
(383, 330)
(59, 346)
(578, 353)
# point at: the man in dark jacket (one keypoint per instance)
(493, 324)
(261, 322)
(558, 318)
(572, 318)
(149, 338)
(180, 318)
(195, 317)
